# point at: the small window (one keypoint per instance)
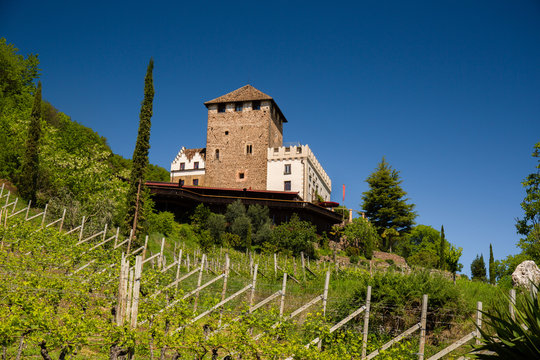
(239, 106)
(249, 149)
(221, 108)
(288, 149)
(287, 186)
(241, 175)
(287, 169)
(217, 154)
(182, 166)
(196, 165)
(276, 149)
(298, 150)
(227, 132)
(181, 182)
(195, 182)
(256, 105)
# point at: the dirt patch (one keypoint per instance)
(398, 260)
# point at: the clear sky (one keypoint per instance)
(447, 91)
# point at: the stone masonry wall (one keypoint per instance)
(230, 133)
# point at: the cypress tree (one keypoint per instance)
(442, 245)
(491, 266)
(137, 192)
(385, 204)
(28, 181)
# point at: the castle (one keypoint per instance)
(244, 150)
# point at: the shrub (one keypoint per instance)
(216, 225)
(162, 222)
(296, 236)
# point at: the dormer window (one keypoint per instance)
(239, 106)
(221, 108)
(256, 105)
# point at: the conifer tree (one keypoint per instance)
(491, 266)
(28, 181)
(137, 193)
(478, 268)
(441, 250)
(385, 204)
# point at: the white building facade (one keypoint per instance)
(188, 167)
(295, 168)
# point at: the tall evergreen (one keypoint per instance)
(441, 250)
(491, 265)
(137, 192)
(385, 203)
(28, 180)
(478, 268)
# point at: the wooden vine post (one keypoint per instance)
(366, 322)
(423, 319)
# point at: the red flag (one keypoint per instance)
(343, 192)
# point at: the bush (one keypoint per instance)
(396, 299)
(216, 225)
(295, 236)
(162, 222)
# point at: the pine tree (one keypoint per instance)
(385, 204)
(478, 268)
(28, 182)
(441, 250)
(491, 266)
(137, 192)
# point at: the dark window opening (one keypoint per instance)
(287, 185)
(217, 154)
(221, 108)
(196, 165)
(182, 166)
(195, 182)
(287, 169)
(249, 149)
(241, 175)
(299, 150)
(288, 149)
(181, 182)
(226, 132)
(256, 105)
(239, 106)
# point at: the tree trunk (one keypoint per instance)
(44, 352)
(21, 343)
(117, 353)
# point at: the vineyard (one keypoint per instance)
(78, 293)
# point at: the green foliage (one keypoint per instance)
(241, 226)
(425, 258)
(28, 182)
(200, 216)
(342, 211)
(217, 226)
(531, 203)
(452, 259)
(362, 235)
(393, 295)
(162, 222)
(491, 265)
(513, 338)
(235, 210)
(136, 193)
(385, 204)
(478, 268)
(295, 236)
(16, 75)
(441, 251)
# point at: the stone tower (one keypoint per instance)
(242, 125)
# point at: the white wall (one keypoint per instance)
(276, 177)
(189, 165)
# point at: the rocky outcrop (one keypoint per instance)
(525, 273)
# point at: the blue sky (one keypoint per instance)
(447, 91)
